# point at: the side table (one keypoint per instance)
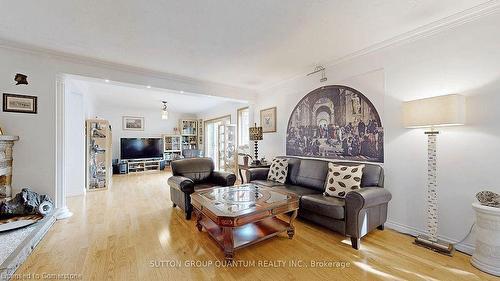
(246, 167)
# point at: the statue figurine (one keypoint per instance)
(27, 202)
(488, 198)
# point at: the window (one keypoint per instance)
(243, 123)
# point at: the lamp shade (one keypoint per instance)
(255, 133)
(446, 110)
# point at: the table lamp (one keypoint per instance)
(430, 113)
(256, 135)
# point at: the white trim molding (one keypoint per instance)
(62, 210)
(423, 31)
(405, 229)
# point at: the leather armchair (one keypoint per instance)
(194, 174)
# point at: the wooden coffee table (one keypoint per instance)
(239, 216)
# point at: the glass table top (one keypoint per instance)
(234, 199)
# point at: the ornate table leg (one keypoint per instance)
(291, 228)
(228, 243)
(199, 216)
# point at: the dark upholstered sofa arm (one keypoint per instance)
(184, 184)
(257, 174)
(367, 197)
(365, 210)
(223, 178)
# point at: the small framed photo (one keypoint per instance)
(268, 120)
(133, 123)
(20, 103)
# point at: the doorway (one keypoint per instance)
(212, 139)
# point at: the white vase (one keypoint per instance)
(486, 256)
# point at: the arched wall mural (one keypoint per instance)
(336, 122)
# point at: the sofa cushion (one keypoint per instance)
(328, 206)
(278, 170)
(201, 186)
(373, 174)
(293, 169)
(312, 174)
(342, 179)
(298, 190)
(266, 183)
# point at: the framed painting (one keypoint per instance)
(20, 103)
(131, 123)
(268, 120)
(336, 122)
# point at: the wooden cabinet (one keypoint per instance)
(98, 154)
(191, 134)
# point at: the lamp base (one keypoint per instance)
(439, 246)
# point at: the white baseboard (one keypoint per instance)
(63, 213)
(462, 247)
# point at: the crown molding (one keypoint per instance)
(421, 32)
(89, 61)
(424, 31)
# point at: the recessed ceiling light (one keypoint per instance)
(149, 87)
(107, 81)
(182, 92)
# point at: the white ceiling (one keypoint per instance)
(244, 43)
(140, 97)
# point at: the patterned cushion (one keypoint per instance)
(278, 170)
(342, 179)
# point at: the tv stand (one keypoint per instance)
(137, 166)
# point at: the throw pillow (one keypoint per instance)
(342, 179)
(278, 170)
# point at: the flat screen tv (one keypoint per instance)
(141, 148)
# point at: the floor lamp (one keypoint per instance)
(430, 113)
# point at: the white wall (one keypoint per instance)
(35, 154)
(74, 148)
(463, 60)
(154, 126)
(228, 108)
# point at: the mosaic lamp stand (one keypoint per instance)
(431, 240)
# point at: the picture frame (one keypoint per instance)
(20, 103)
(268, 120)
(133, 123)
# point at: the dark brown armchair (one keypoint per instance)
(192, 174)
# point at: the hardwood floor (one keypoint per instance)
(131, 232)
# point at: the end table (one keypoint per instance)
(250, 166)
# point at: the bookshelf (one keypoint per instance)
(191, 134)
(172, 146)
(98, 154)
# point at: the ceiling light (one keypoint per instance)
(182, 92)
(107, 81)
(149, 87)
(164, 111)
